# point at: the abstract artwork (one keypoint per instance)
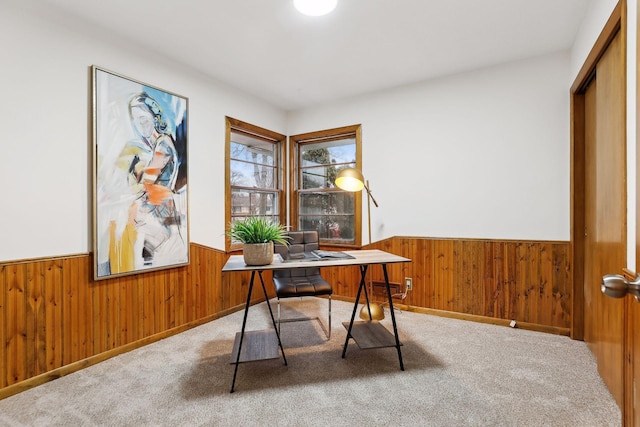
(140, 199)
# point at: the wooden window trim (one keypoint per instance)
(238, 126)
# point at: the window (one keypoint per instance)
(316, 202)
(254, 174)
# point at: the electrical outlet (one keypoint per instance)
(408, 283)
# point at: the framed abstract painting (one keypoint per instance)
(140, 198)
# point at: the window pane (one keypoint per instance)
(252, 175)
(239, 203)
(339, 229)
(332, 214)
(264, 204)
(245, 203)
(327, 203)
(322, 176)
(326, 153)
(252, 150)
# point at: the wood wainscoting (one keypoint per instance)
(526, 281)
(55, 319)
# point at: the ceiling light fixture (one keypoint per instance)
(315, 7)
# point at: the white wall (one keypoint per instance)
(483, 154)
(46, 141)
(592, 24)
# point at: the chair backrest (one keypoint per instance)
(299, 242)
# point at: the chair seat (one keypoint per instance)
(301, 286)
(300, 282)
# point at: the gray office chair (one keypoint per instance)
(300, 282)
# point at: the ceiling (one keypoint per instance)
(267, 48)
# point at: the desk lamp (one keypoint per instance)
(352, 180)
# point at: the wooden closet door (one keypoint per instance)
(605, 214)
(632, 345)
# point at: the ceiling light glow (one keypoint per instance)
(315, 7)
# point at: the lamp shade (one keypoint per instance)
(377, 312)
(350, 179)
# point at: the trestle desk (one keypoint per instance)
(367, 334)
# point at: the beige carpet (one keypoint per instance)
(457, 373)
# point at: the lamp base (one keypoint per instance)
(377, 312)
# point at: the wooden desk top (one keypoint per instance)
(364, 257)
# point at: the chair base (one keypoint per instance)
(327, 332)
(325, 329)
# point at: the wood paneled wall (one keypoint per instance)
(513, 280)
(523, 281)
(53, 315)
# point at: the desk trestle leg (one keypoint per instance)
(370, 333)
(255, 335)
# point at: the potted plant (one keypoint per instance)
(257, 234)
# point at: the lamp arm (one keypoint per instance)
(366, 187)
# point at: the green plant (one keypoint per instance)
(254, 229)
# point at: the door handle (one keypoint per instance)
(616, 286)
